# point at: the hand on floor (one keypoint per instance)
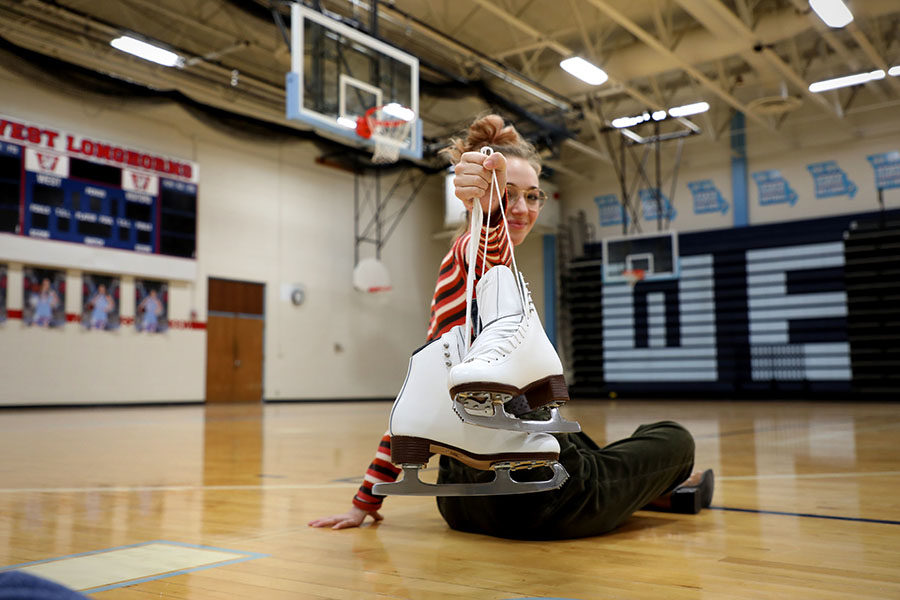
(352, 518)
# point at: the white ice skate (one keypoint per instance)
(423, 423)
(511, 366)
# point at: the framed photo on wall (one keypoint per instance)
(100, 299)
(151, 300)
(44, 292)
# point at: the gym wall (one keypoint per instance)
(700, 210)
(267, 214)
(802, 300)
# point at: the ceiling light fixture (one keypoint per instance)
(658, 115)
(147, 51)
(846, 81)
(623, 122)
(584, 70)
(833, 12)
(687, 110)
(894, 71)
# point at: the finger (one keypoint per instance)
(345, 524)
(467, 195)
(495, 162)
(376, 515)
(477, 180)
(323, 522)
(472, 157)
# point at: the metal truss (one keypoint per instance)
(381, 213)
(631, 156)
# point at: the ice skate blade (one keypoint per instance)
(502, 484)
(503, 420)
(549, 391)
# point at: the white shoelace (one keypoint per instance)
(475, 227)
(499, 340)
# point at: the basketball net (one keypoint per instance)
(390, 133)
(632, 276)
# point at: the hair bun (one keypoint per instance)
(491, 130)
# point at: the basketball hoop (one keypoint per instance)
(632, 276)
(388, 126)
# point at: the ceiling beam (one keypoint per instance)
(657, 46)
(719, 20)
(834, 42)
(873, 54)
(566, 52)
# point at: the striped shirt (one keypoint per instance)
(448, 309)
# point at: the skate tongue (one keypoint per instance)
(501, 338)
(498, 295)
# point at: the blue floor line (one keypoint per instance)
(806, 515)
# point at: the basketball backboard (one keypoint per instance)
(655, 254)
(338, 72)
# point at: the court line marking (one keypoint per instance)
(806, 515)
(838, 475)
(355, 481)
(243, 557)
(174, 488)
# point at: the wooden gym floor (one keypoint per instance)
(195, 502)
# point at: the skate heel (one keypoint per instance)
(410, 450)
(551, 390)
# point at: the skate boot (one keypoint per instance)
(423, 423)
(511, 366)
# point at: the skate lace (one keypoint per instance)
(503, 335)
(500, 339)
(475, 229)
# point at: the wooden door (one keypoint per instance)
(234, 341)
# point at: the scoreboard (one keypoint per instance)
(60, 186)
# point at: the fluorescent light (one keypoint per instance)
(833, 12)
(347, 122)
(623, 122)
(659, 115)
(147, 51)
(398, 111)
(848, 80)
(894, 71)
(689, 109)
(584, 70)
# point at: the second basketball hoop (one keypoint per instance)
(632, 276)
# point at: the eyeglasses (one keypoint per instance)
(534, 197)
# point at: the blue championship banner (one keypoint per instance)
(611, 210)
(650, 208)
(830, 180)
(707, 197)
(773, 188)
(887, 169)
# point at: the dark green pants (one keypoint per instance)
(605, 486)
